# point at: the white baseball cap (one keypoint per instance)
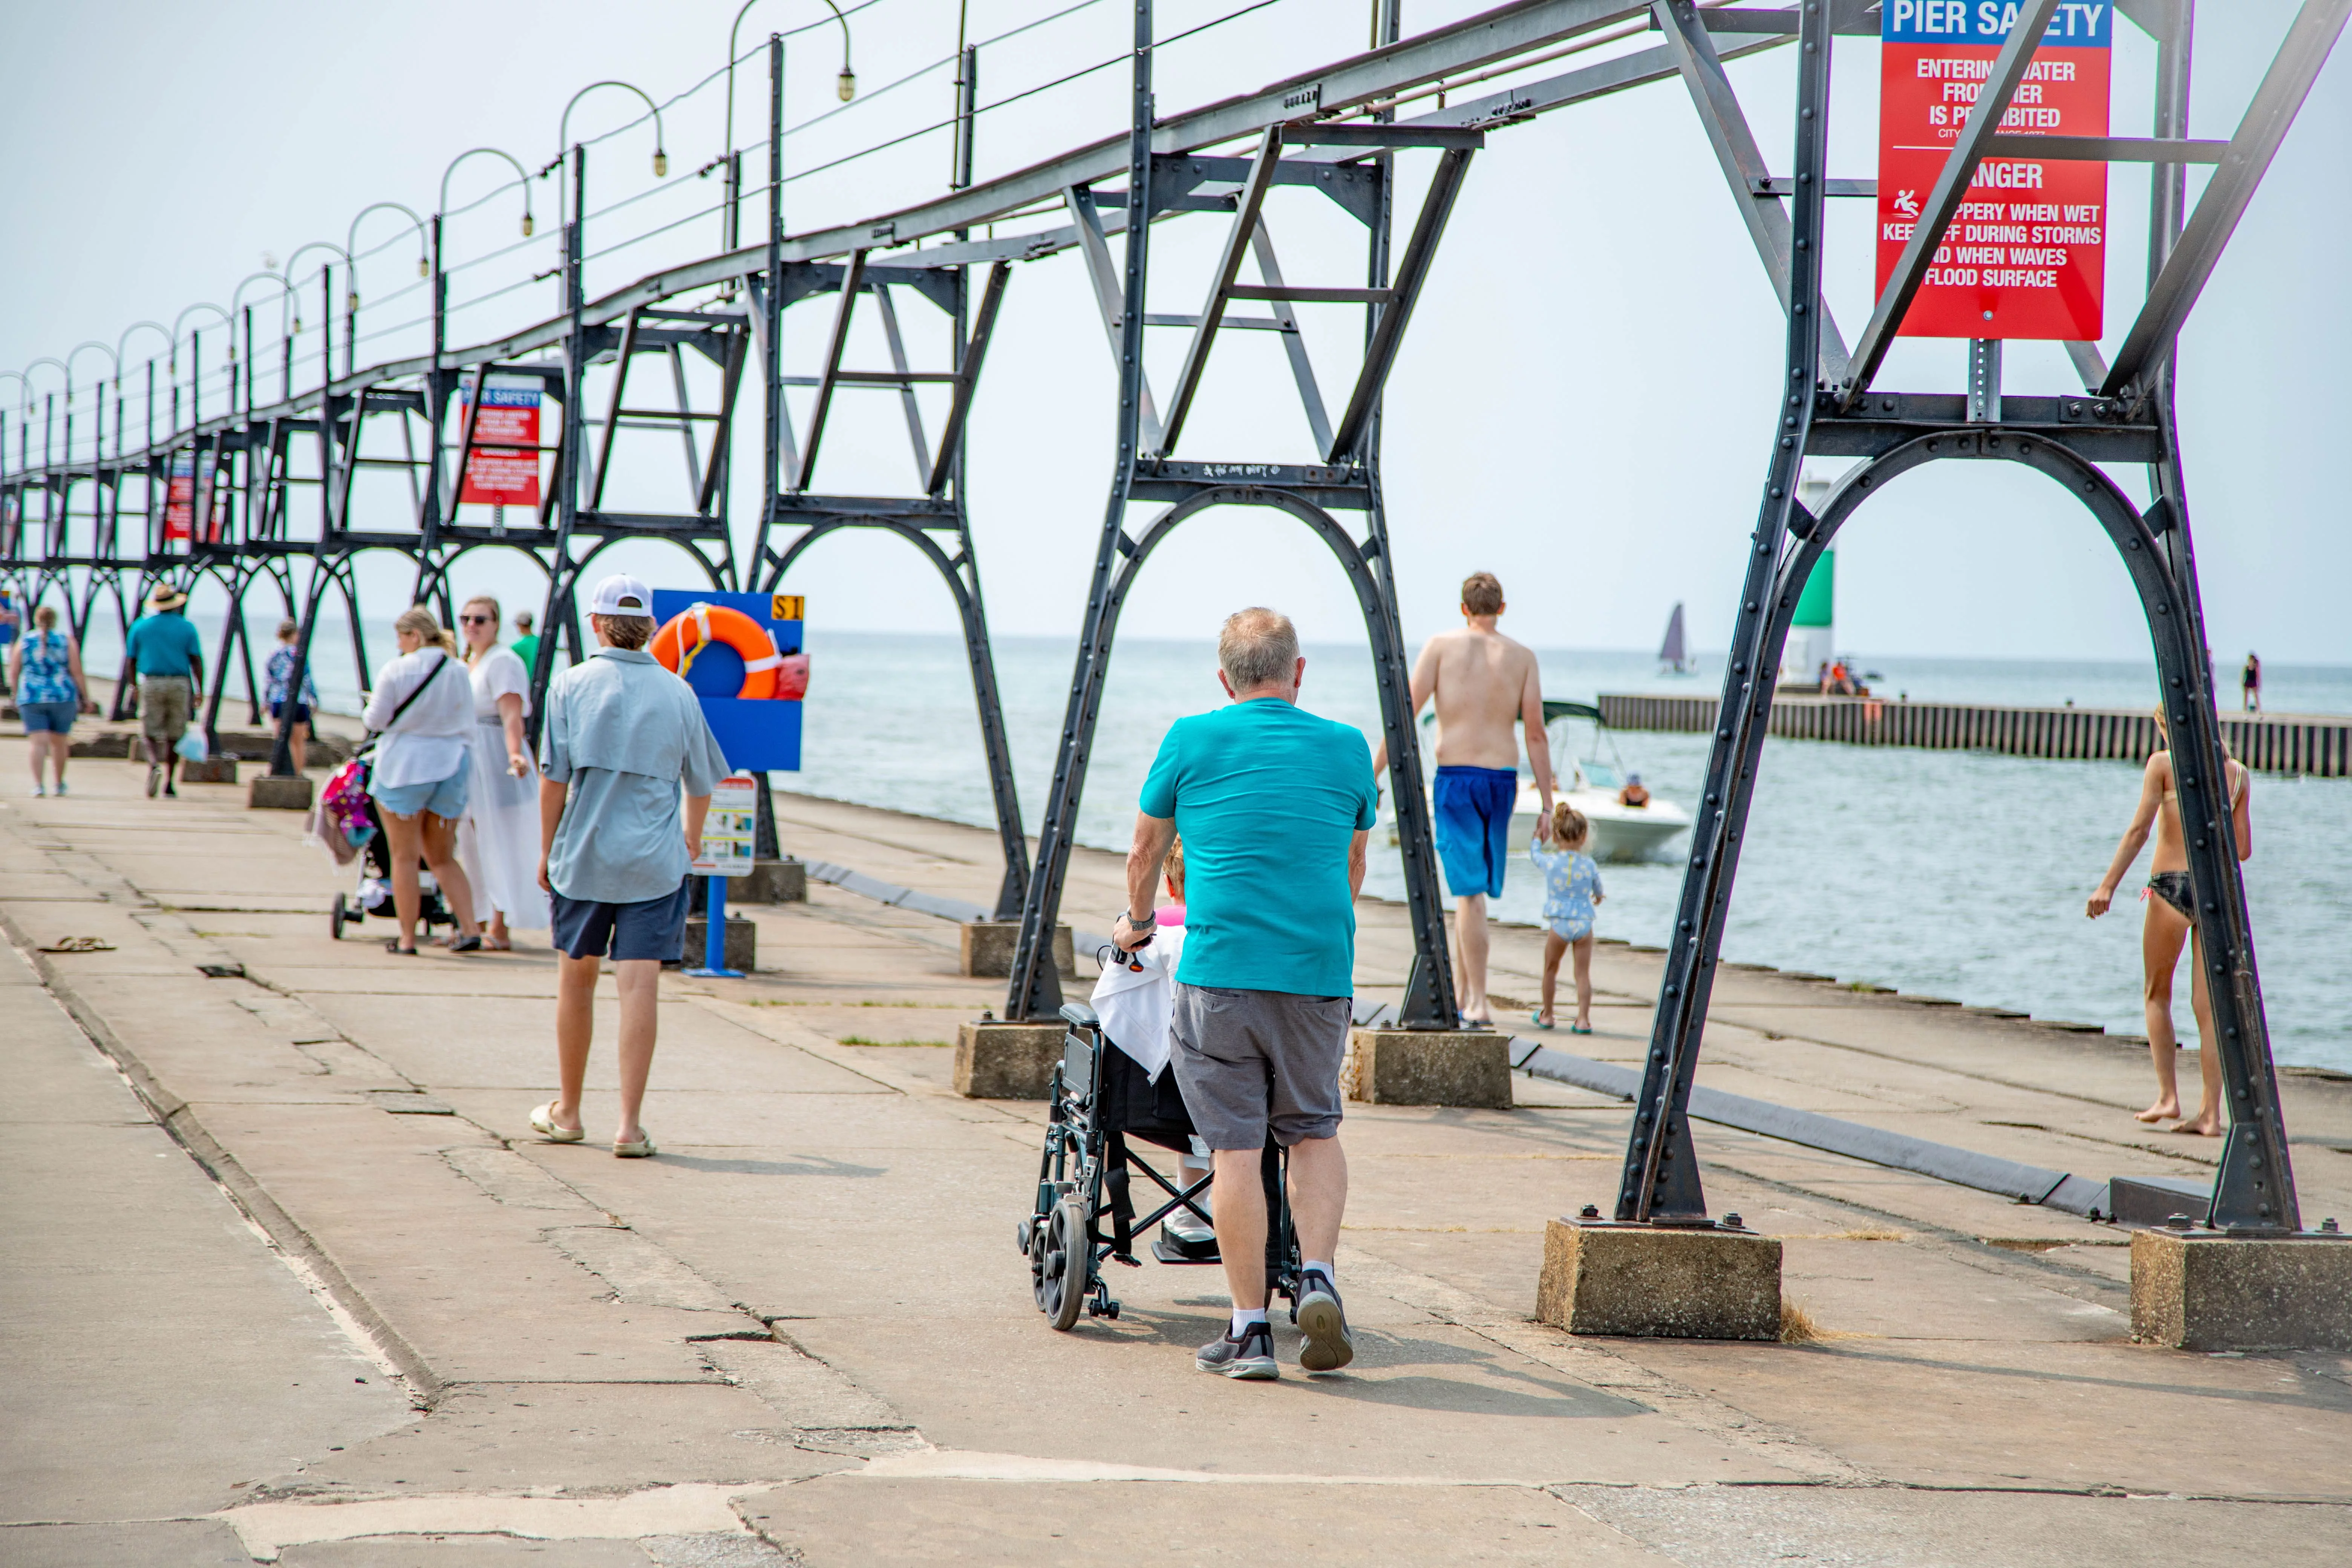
(621, 595)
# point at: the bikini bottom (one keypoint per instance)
(2172, 887)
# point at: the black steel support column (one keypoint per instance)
(1661, 1181)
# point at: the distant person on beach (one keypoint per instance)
(621, 735)
(1484, 683)
(424, 712)
(2249, 683)
(525, 643)
(169, 658)
(45, 672)
(1275, 806)
(1571, 892)
(278, 677)
(2170, 909)
(498, 842)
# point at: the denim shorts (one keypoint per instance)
(650, 928)
(442, 797)
(38, 716)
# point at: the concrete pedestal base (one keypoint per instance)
(212, 770)
(1428, 1066)
(267, 793)
(1658, 1283)
(2202, 1292)
(988, 949)
(773, 882)
(1006, 1061)
(743, 941)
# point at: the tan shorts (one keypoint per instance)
(164, 704)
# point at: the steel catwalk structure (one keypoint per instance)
(233, 475)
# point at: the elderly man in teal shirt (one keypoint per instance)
(1273, 805)
(169, 658)
(621, 734)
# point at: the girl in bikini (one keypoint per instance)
(2169, 907)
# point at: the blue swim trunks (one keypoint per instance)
(1473, 827)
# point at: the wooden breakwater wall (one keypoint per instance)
(2313, 743)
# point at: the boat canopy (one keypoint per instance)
(1553, 708)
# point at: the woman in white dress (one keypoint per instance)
(498, 841)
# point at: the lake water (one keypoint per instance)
(1950, 873)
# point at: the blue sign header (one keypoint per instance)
(2076, 23)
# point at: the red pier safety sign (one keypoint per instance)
(502, 469)
(2025, 256)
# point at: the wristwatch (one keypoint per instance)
(1148, 922)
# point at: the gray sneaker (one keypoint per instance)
(1251, 1356)
(1324, 1324)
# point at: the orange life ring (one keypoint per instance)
(698, 626)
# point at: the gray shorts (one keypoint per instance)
(164, 702)
(1250, 1060)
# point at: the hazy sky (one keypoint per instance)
(1583, 406)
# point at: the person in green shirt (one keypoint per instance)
(526, 647)
(1273, 805)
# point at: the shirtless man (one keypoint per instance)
(1484, 683)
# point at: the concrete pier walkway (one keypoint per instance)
(341, 1307)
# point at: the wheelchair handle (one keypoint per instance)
(1078, 1015)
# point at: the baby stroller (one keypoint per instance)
(1099, 1100)
(345, 802)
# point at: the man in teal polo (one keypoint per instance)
(169, 658)
(1274, 804)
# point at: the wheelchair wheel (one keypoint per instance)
(338, 917)
(1061, 1263)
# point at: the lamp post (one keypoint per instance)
(846, 85)
(351, 302)
(564, 138)
(238, 311)
(351, 249)
(440, 214)
(119, 344)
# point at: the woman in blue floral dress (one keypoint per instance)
(45, 672)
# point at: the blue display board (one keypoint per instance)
(757, 734)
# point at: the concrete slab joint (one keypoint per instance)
(1658, 1282)
(1006, 1061)
(2203, 1291)
(1428, 1066)
(987, 950)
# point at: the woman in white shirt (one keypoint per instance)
(498, 841)
(423, 710)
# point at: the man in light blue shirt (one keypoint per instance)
(621, 735)
(1273, 805)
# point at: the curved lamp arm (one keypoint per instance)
(121, 342)
(352, 303)
(352, 237)
(522, 178)
(236, 301)
(847, 84)
(178, 320)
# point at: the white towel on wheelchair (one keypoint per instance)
(1134, 1004)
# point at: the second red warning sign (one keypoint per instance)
(2025, 256)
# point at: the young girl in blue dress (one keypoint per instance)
(1571, 889)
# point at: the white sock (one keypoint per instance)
(1243, 1318)
(1311, 1267)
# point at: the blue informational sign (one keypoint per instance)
(757, 734)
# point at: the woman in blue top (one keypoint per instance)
(46, 671)
(278, 677)
(1571, 889)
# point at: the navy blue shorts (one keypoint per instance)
(1473, 827)
(301, 711)
(650, 928)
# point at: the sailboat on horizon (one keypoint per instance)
(1673, 653)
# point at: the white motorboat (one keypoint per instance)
(1592, 783)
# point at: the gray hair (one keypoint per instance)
(1257, 646)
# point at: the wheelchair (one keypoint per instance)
(1084, 1214)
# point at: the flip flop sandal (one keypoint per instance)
(464, 944)
(542, 1121)
(639, 1149)
(1579, 1028)
(1536, 1019)
(391, 944)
